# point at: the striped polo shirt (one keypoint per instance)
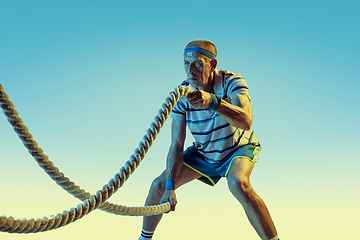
(214, 137)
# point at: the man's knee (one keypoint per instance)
(156, 191)
(158, 186)
(241, 188)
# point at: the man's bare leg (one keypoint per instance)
(157, 190)
(254, 206)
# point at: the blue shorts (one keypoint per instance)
(213, 172)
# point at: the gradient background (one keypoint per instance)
(88, 77)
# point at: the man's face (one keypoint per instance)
(198, 70)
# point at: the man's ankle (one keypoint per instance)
(146, 235)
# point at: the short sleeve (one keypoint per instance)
(179, 111)
(236, 84)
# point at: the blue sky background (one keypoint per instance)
(88, 77)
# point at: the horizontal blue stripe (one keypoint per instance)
(213, 130)
(231, 81)
(177, 112)
(219, 139)
(203, 121)
(226, 149)
(239, 87)
(234, 79)
(196, 110)
(182, 105)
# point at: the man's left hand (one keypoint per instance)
(199, 99)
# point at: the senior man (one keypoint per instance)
(219, 115)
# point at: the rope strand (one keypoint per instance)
(90, 202)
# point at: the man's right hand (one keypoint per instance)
(169, 196)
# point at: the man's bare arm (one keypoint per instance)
(175, 156)
(174, 159)
(238, 112)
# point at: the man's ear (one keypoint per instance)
(213, 64)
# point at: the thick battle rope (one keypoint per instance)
(90, 202)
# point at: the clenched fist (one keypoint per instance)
(199, 99)
(169, 196)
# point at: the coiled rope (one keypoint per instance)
(90, 202)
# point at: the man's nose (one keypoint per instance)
(192, 69)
